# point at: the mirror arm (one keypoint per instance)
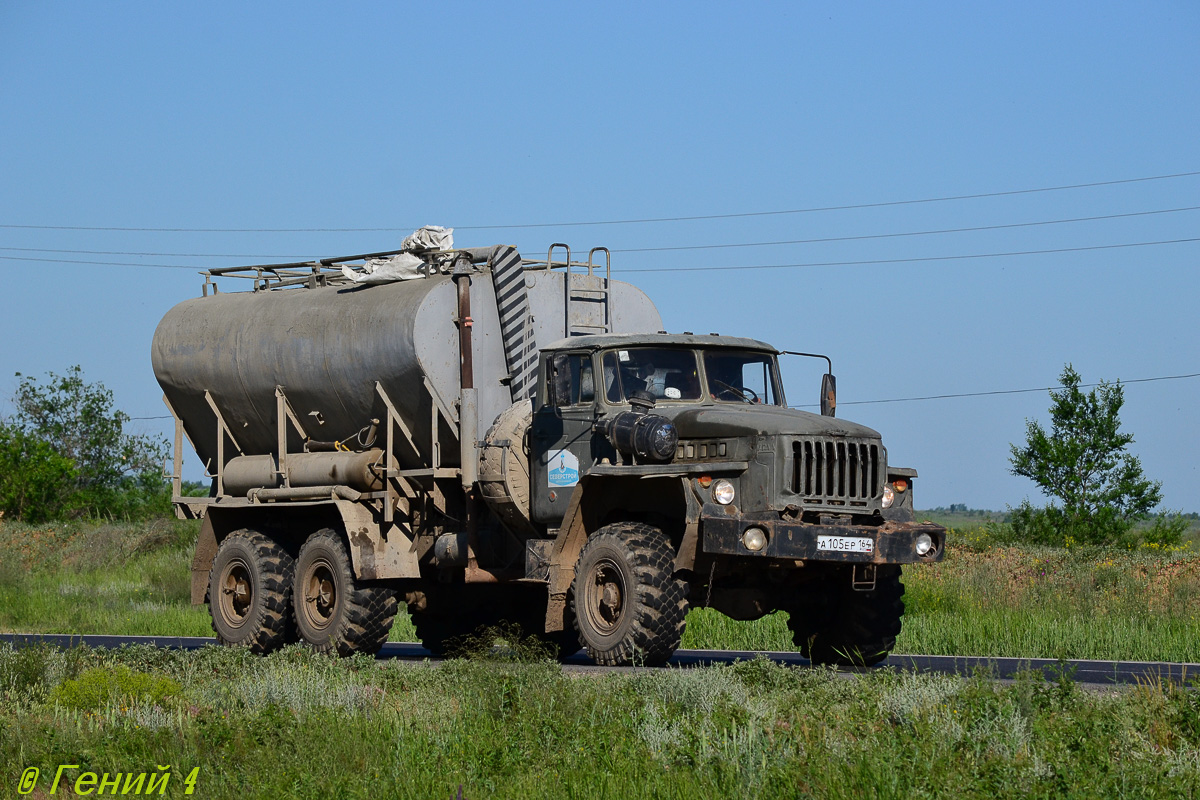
(828, 360)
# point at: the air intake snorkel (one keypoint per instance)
(640, 434)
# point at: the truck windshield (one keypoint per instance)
(667, 374)
(740, 377)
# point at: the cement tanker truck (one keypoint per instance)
(499, 439)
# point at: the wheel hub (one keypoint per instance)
(320, 595)
(605, 599)
(236, 593)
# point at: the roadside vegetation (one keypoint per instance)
(503, 726)
(67, 453)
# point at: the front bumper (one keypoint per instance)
(892, 542)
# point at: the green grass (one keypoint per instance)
(984, 599)
(126, 578)
(295, 724)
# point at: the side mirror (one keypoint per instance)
(560, 380)
(828, 395)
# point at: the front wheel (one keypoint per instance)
(628, 606)
(334, 612)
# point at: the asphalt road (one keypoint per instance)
(1098, 673)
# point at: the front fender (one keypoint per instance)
(663, 500)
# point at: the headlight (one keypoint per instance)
(923, 544)
(722, 492)
(889, 495)
(754, 539)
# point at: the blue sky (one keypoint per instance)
(295, 115)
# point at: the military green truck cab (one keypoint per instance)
(685, 445)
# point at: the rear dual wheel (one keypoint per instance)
(250, 592)
(335, 613)
(261, 598)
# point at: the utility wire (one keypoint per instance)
(717, 268)
(823, 240)
(582, 223)
(141, 253)
(889, 235)
(103, 263)
(908, 260)
(1002, 391)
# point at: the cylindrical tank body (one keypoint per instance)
(327, 347)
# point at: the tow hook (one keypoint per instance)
(863, 578)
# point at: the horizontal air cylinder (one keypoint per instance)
(362, 472)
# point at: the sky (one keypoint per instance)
(311, 116)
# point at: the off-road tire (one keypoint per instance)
(335, 613)
(250, 593)
(833, 624)
(628, 606)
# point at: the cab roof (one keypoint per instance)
(604, 340)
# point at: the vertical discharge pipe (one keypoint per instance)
(468, 413)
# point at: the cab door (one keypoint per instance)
(561, 434)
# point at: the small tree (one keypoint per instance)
(35, 481)
(117, 474)
(1084, 463)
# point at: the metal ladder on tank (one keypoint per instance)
(586, 308)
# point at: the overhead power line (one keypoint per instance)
(143, 253)
(862, 262)
(103, 263)
(823, 240)
(909, 260)
(631, 221)
(828, 239)
(1001, 391)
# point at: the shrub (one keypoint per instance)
(35, 481)
(96, 688)
(68, 451)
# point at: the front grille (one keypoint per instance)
(837, 471)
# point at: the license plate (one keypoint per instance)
(846, 544)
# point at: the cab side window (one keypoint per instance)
(571, 380)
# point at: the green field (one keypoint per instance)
(984, 599)
(295, 724)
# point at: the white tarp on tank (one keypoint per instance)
(431, 237)
(405, 266)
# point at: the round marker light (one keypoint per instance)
(900, 485)
(889, 495)
(705, 481)
(923, 544)
(754, 539)
(722, 492)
